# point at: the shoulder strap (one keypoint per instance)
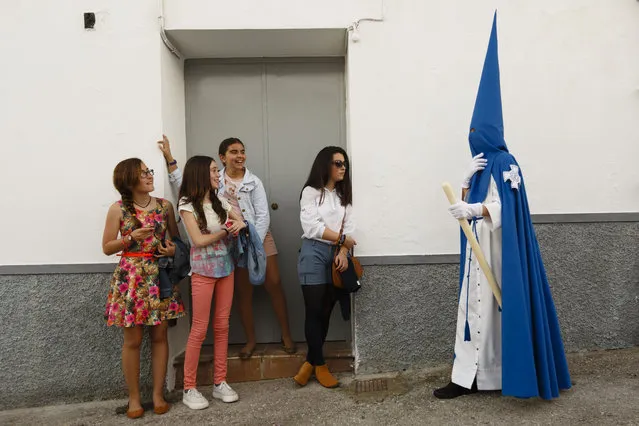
(341, 231)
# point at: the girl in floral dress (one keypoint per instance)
(144, 225)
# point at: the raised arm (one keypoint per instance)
(175, 174)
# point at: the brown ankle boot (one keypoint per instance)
(325, 377)
(304, 374)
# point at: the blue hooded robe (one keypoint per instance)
(533, 357)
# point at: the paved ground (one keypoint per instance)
(606, 391)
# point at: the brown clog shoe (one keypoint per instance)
(302, 376)
(324, 377)
(134, 414)
(162, 409)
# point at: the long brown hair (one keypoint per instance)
(196, 185)
(126, 176)
(321, 171)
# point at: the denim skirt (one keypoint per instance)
(314, 262)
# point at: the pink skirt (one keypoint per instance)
(269, 245)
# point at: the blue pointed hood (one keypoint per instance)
(487, 125)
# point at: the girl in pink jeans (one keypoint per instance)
(210, 223)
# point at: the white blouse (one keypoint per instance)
(316, 217)
(213, 221)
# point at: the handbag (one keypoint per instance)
(349, 279)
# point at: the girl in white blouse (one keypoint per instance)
(325, 207)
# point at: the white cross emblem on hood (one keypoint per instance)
(513, 177)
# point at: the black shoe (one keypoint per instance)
(453, 390)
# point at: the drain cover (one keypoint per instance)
(373, 385)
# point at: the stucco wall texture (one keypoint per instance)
(55, 346)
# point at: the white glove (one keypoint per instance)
(463, 210)
(478, 163)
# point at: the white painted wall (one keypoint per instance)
(259, 14)
(173, 113)
(73, 103)
(570, 87)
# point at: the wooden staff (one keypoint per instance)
(474, 244)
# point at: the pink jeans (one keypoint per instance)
(203, 289)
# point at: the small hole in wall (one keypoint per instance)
(89, 20)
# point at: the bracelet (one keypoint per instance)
(342, 239)
(173, 163)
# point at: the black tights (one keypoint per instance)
(319, 301)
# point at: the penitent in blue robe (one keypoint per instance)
(533, 357)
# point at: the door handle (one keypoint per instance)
(274, 206)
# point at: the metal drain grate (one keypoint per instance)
(374, 385)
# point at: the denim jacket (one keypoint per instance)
(174, 269)
(249, 253)
(252, 199)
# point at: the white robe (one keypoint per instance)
(481, 356)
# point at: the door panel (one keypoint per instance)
(305, 106)
(284, 112)
(225, 100)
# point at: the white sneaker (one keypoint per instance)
(224, 392)
(194, 399)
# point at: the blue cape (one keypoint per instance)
(533, 357)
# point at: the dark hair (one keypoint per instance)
(126, 176)
(196, 184)
(226, 143)
(321, 171)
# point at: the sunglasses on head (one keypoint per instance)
(339, 164)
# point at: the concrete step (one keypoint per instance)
(269, 361)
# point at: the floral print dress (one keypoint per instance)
(134, 295)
